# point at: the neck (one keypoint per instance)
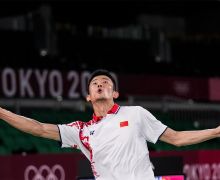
(101, 108)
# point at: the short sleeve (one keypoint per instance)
(150, 127)
(69, 134)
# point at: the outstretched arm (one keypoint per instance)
(184, 138)
(30, 126)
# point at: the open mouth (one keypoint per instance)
(99, 91)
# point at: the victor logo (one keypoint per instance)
(92, 132)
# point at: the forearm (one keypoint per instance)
(22, 123)
(183, 138)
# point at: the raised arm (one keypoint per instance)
(184, 138)
(30, 126)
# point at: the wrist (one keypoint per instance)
(217, 131)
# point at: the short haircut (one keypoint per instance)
(100, 72)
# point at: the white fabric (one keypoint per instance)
(117, 153)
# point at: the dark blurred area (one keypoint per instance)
(144, 37)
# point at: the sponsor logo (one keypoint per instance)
(44, 172)
(92, 132)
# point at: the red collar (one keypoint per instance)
(113, 110)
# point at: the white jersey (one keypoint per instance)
(116, 144)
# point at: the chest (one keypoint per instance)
(111, 131)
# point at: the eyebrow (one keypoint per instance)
(104, 78)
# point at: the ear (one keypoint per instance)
(115, 94)
(88, 99)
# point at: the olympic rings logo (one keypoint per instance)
(44, 173)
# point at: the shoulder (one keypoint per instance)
(132, 108)
(137, 110)
(77, 124)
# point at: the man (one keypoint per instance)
(115, 139)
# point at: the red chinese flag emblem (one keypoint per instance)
(123, 123)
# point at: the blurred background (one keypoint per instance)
(164, 55)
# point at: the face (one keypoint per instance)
(101, 88)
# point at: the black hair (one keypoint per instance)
(99, 72)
